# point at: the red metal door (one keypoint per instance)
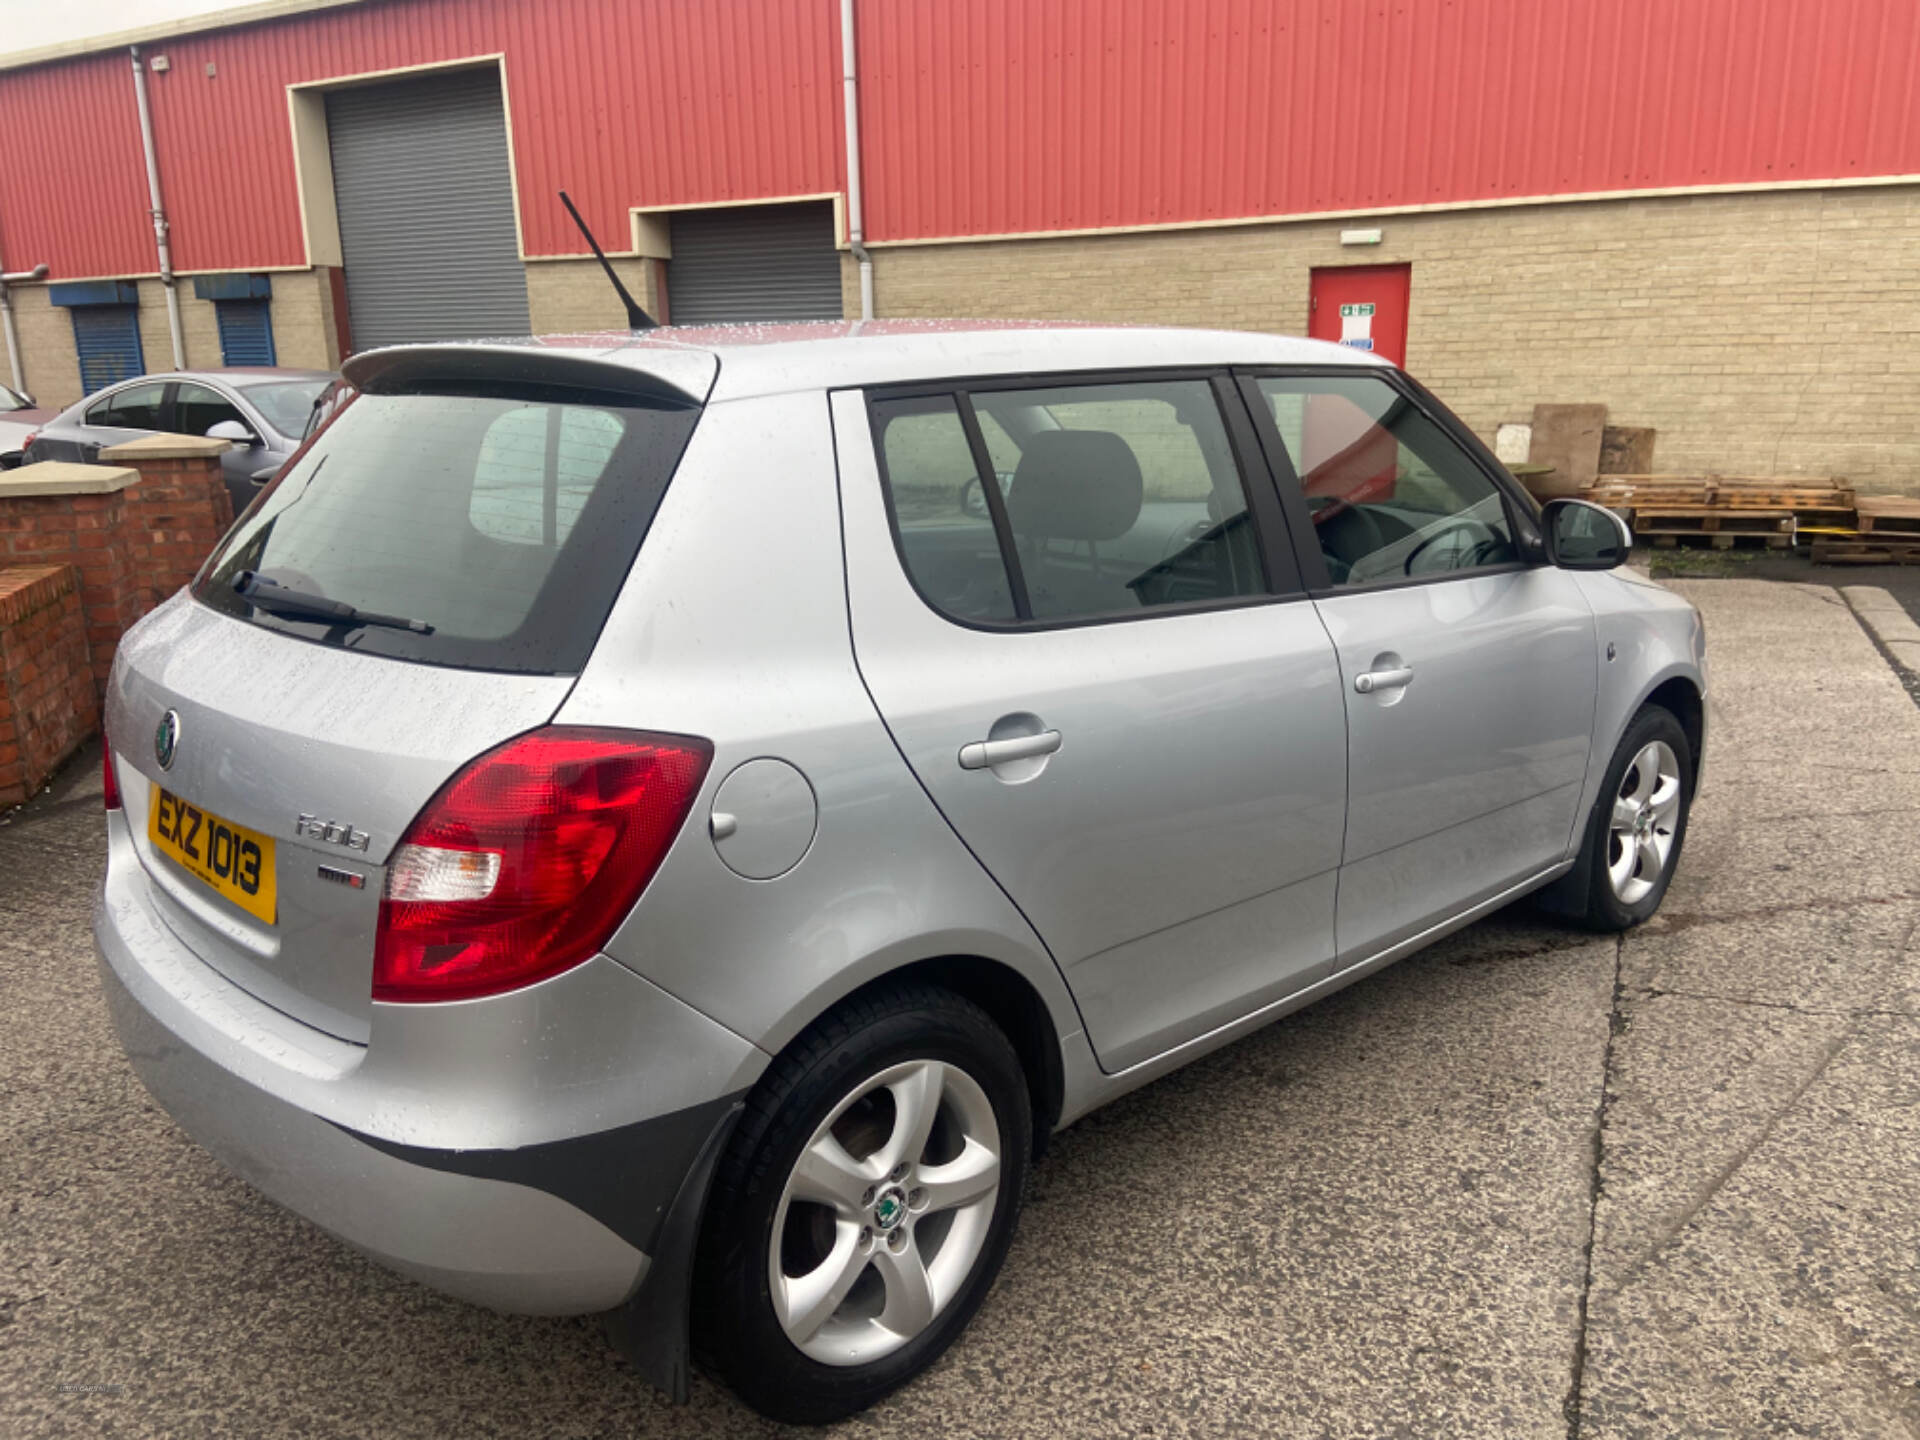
(1345, 458)
(1364, 306)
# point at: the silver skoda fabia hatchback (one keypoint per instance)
(669, 824)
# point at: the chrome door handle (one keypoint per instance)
(985, 754)
(1369, 681)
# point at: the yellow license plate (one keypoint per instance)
(229, 858)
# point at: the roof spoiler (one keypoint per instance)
(478, 367)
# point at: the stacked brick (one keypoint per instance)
(177, 513)
(136, 529)
(76, 515)
(47, 702)
(85, 551)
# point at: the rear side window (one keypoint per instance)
(946, 530)
(135, 408)
(1107, 500)
(489, 532)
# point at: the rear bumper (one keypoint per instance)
(403, 1155)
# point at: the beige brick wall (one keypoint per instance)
(1766, 333)
(302, 332)
(46, 348)
(568, 296)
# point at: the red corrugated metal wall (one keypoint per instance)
(1005, 116)
(622, 102)
(991, 116)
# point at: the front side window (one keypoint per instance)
(1391, 496)
(135, 408)
(1110, 499)
(198, 408)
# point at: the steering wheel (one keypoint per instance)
(1485, 546)
(973, 500)
(1353, 530)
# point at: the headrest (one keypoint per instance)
(1075, 485)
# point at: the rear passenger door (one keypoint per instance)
(1085, 631)
(128, 413)
(1468, 663)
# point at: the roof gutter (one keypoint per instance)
(159, 211)
(856, 214)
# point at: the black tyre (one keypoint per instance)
(863, 1206)
(1639, 824)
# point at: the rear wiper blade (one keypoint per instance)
(272, 596)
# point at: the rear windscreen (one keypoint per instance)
(490, 532)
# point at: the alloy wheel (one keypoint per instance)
(1646, 814)
(886, 1212)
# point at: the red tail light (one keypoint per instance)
(527, 860)
(109, 784)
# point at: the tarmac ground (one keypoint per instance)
(1526, 1183)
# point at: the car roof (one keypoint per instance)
(232, 375)
(237, 374)
(721, 362)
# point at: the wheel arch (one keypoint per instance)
(1679, 696)
(1013, 1003)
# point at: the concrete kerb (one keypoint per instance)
(1888, 622)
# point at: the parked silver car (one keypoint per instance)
(669, 824)
(262, 411)
(20, 420)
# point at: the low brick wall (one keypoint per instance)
(180, 508)
(60, 514)
(47, 702)
(136, 528)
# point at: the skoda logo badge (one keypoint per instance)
(167, 739)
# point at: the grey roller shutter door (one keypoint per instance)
(425, 197)
(754, 262)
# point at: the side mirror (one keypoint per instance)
(1584, 536)
(233, 430)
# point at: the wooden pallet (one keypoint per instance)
(1671, 539)
(1730, 480)
(1887, 515)
(1721, 492)
(1709, 520)
(1863, 552)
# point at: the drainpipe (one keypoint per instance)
(7, 282)
(856, 218)
(159, 211)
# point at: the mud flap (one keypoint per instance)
(653, 1329)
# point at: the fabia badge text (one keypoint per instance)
(331, 832)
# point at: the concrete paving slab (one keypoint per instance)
(1785, 1301)
(1741, 1275)
(1371, 1219)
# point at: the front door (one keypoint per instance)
(1469, 675)
(1362, 306)
(1086, 635)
